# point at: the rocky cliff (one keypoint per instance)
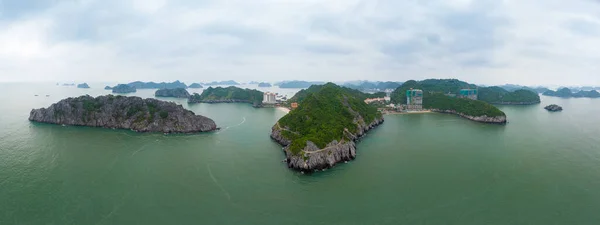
(483, 119)
(174, 93)
(119, 112)
(313, 158)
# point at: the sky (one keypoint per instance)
(527, 42)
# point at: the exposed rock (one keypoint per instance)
(123, 88)
(119, 112)
(84, 85)
(175, 93)
(553, 108)
(483, 119)
(313, 158)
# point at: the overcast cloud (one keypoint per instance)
(547, 42)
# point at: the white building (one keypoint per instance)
(269, 98)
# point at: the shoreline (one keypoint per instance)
(283, 109)
(405, 113)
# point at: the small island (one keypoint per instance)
(120, 112)
(223, 83)
(174, 93)
(195, 85)
(123, 89)
(228, 95)
(107, 88)
(84, 85)
(567, 93)
(553, 108)
(264, 85)
(153, 85)
(323, 130)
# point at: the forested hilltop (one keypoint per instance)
(228, 95)
(322, 130)
(437, 97)
(302, 94)
(497, 95)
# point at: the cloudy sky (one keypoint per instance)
(547, 42)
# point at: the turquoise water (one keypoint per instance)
(541, 168)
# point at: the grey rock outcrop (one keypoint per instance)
(482, 119)
(123, 89)
(119, 112)
(175, 93)
(553, 108)
(313, 159)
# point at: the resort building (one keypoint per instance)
(269, 98)
(414, 99)
(294, 105)
(468, 93)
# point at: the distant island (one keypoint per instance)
(153, 85)
(119, 112)
(322, 131)
(222, 83)
(195, 85)
(553, 108)
(84, 85)
(264, 85)
(567, 93)
(65, 84)
(123, 89)
(374, 86)
(228, 95)
(500, 96)
(174, 93)
(442, 95)
(107, 88)
(298, 84)
(514, 87)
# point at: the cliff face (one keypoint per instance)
(175, 93)
(118, 112)
(312, 158)
(483, 119)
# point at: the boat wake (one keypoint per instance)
(217, 182)
(237, 125)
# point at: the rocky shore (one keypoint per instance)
(119, 112)
(482, 119)
(313, 159)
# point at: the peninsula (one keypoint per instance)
(323, 130)
(120, 112)
(441, 95)
(567, 93)
(173, 93)
(228, 95)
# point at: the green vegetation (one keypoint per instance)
(567, 93)
(302, 94)
(228, 94)
(444, 86)
(91, 105)
(326, 111)
(497, 95)
(164, 114)
(461, 105)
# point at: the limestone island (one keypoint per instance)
(120, 112)
(553, 108)
(195, 85)
(174, 93)
(154, 85)
(263, 84)
(323, 129)
(108, 88)
(499, 96)
(447, 96)
(228, 95)
(123, 89)
(84, 85)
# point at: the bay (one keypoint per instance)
(541, 168)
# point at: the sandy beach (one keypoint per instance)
(284, 109)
